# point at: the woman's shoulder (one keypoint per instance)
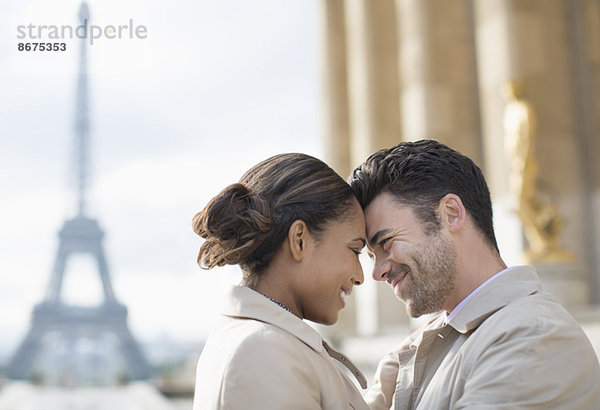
(248, 343)
(243, 357)
(255, 335)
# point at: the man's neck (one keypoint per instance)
(470, 276)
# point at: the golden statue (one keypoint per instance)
(540, 219)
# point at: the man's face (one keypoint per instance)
(420, 268)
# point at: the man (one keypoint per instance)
(499, 342)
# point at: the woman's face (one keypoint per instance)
(333, 268)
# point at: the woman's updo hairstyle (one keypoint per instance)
(247, 222)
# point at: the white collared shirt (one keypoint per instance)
(466, 300)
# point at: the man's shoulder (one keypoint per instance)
(539, 307)
(538, 314)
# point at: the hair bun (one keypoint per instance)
(234, 224)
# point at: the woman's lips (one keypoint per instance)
(344, 292)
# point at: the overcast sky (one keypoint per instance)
(214, 88)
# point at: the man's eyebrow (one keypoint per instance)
(373, 241)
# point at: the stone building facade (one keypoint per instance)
(402, 70)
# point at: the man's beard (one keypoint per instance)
(434, 280)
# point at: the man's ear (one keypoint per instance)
(452, 212)
(298, 237)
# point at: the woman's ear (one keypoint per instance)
(298, 237)
(452, 212)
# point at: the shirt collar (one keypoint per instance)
(506, 286)
(466, 300)
(243, 302)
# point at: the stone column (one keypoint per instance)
(361, 113)
(375, 123)
(373, 80)
(530, 41)
(335, 87)
(439, 97)
(585, 27)
(337, 138)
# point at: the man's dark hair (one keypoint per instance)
(421, 173)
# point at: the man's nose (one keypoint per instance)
(380, 270)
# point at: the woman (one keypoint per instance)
(295, 228)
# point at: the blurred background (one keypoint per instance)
(217, 86)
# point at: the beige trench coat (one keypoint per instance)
(261, 356)
(511, 347)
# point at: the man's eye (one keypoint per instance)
(357, 251)
(383, 242)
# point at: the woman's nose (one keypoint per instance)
(359, 276)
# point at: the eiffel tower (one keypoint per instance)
(52, 318)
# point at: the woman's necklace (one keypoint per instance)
(279, 304)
